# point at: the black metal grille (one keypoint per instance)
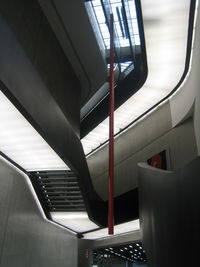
(59, 190)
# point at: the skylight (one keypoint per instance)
(125, 65)
(116, 7)
(125, 28)
(99, 13)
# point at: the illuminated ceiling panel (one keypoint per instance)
(21, 142)
(119, 229)
(76, 221)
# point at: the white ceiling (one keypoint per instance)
(22, 143)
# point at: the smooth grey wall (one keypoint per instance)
(33, 32)
(84, 256)
(170, 214)
(182, 101)
(80, 45)
(26, 237)
(150, 136)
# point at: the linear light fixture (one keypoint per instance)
(22, 143)
(165, 27)
(119, 229)
(76, 221)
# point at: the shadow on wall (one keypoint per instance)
(170, 214)
(26, 237)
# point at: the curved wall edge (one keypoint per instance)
(27, 238)
(183, 99)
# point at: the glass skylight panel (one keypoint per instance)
(100, 16)
(137, 39)
(125, 65)
(96, 2)
(115, 7)
(108, 66)
(135, 27)
(132, 9)
(104, 30)
(119, 23)
(132, 21)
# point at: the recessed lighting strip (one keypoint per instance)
(119, 229)
(76, 221)
(22, 143)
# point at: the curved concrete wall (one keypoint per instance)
(150, 136)
(182, 101)
(170, 214)
(27, 238)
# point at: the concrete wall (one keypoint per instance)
(33, 32)
(170, 214)
(26, 237)
(182, 101)
(196, 87)
(152, 135)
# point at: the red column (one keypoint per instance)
(111, 134)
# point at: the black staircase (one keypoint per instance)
(58, 190)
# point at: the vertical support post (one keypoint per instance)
(111, 134)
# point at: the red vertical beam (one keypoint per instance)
(111, 134)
